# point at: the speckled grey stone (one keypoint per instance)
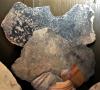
(48, 52)
(75, 25)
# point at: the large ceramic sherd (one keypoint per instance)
(75, 25)
(46, 54)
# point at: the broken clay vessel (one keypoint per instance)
(76, 25)
(47, 51)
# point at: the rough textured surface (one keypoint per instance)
(75, 26)
(95, 87)
(42, 53)
(7, 80)
(47, 51)
(44, 81)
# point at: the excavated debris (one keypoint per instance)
(51, 44)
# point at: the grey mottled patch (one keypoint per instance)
(75, 25)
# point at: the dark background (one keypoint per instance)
(9, 52)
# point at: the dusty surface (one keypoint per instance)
(49, 52)
(44, 52)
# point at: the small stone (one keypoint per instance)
(75, 25)
(7, 80)
(67, 85)
(95, 86)
(44, 81)
(48, 52)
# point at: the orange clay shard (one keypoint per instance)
(67, 85)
